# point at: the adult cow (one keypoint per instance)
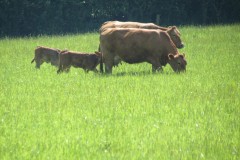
(86, 61)
(45, 54)
(172, 31)
(140, 45)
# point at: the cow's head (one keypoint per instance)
(177, 62)
(174, 34)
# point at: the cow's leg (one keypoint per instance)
(86, 70)
(95, 70)
(38, 59)
(156, 66)
(63, 68)
(38, 63)
(59, 69)
(108, 68)
(117, 60)
(67, 69)
(109, 62)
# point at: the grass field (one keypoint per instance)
(131, 114)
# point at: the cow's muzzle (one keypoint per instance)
(181, 46)
(180, 70)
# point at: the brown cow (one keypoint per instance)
(172, 30)
(86, 61)
(45, 54)
(140, 45)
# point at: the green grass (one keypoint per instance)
(131, 114)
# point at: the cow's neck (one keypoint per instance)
(169, 45)
(172, 48)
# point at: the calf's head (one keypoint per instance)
(174, 34)
(177, 62)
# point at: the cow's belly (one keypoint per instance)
(134, 56)
(135, 60)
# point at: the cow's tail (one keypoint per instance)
(99, 49)
(101, 60)
(101, 64)
(33, 60)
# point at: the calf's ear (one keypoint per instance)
(170, 56)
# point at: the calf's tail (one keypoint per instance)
(33, 60)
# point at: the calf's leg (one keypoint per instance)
(38, 63)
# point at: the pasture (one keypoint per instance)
(131, 114)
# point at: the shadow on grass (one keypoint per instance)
(138, 74)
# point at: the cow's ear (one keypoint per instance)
(171, 56)
(173, 28)
(181, 56)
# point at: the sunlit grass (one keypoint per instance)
(131, 114)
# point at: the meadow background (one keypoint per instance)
(131, 114)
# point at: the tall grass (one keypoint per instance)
(131, 114)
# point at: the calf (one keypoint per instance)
(86, 61)
(44, 54)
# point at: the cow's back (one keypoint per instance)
(47, 53)
(118, 24)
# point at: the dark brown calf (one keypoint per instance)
(86, 61)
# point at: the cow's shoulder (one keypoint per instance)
(164, 35)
